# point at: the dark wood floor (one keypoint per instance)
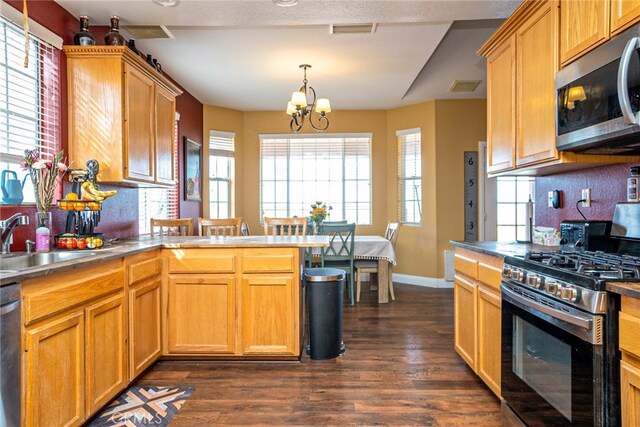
(400, 369)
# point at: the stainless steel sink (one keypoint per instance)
(21, 261)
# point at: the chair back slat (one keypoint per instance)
(219, 227)
(392, 233)
(341, 241)
(171, 227)
(285, 226)
(244, 229)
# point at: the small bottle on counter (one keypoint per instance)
(113, 37)
(632, 184)
(84, 37)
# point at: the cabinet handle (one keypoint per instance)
(630, 117)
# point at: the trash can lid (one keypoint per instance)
(323, 275)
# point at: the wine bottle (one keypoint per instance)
(113, 37)
(84, 37)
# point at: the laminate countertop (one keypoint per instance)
(502, 249)
(133, 246)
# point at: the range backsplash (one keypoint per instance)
(608, 186)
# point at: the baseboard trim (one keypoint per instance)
(428, 282)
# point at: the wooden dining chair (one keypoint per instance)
(339, 253)
(371, 267)
(244, 229)
(285, 226)
(219, 227)
(172, 227)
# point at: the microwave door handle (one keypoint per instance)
(630, 117)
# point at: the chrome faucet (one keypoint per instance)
(7, 227)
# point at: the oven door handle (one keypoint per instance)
(529, 305)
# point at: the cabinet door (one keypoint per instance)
(145, 345)
(489, 338)
(202, 314)
(54, 372)
(584, 24)
(464, 307)
(630, 394)
(139, 147)
(165, 135)
(270, 314)
(106, 351)
(536, 67)
(624, 13)
(501, 105)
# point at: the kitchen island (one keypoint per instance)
(92, 324)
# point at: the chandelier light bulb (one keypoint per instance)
(299, 99)
(291, 109)
(323, 105)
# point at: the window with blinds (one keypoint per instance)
(29, 97)
(513, 193)
(409, 176)
(221, 163)
(159, 203)
(298, 170)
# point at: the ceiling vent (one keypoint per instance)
(464, 85)
(140, 32)
(353, 28)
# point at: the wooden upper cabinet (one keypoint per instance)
(584, 24)
(536, 67)
(139, 140)
(121, 113)
(624, 13)
(501, 105)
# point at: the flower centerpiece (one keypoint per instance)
(45, 176)
(319, 212)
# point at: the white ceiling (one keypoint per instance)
(244, 54)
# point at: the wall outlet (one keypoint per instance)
(586, 196)
(550, 199)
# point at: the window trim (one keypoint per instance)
(214, 152)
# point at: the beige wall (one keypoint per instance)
(444, 139)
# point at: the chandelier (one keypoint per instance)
(304, 103)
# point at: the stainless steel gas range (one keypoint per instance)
(560, 358)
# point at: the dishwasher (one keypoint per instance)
(10, 355)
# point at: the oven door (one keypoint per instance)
(551, 373)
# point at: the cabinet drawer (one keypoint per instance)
(489, 275)
(269, 260)
(629, 330)
(43, 297)
(202, 261)
(467, 266)
(143, 266)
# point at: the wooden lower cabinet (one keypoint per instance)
(629, 341)
(630, 393)
(105, 350)
(478, 314)
(465, 302)
(145, 343)
(202, 314)
(269, 315)
(54, 386)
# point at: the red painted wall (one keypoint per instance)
(120, 213)
(608, 186)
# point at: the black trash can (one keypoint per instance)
(325, 291)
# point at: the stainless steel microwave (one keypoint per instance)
(598, 99)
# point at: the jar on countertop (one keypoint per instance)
(632, 184)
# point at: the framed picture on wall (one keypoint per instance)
(192, 170)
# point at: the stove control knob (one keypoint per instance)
(569, 294)
(517, 274)
(551, 287)
(534, 281)
(506, 271)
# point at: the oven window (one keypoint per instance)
(544, 363)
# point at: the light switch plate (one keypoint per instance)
(586, 196)
(550, 199)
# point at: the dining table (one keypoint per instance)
(380, 249)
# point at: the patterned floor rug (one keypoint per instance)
(143, 406)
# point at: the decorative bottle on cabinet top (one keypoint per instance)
(84, 37)
(113, 37)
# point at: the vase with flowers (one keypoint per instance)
(45, 176)
(318, 213)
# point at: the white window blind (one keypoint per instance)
(298, 170)
(159, 203)
(409, 176)
(29, 99)
(221, 164)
